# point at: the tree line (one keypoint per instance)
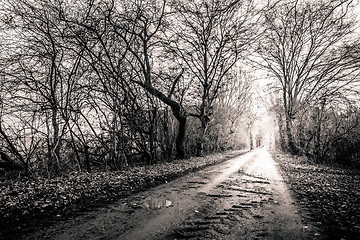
(100, 84)
(312, 50)
(94, 84)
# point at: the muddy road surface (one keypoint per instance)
(242, 198)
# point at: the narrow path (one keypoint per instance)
(242, 198)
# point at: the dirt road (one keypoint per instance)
(242, 198)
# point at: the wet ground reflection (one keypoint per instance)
(157, 203)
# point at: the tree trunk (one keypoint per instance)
(178, 112)
(73, 142)
(167, 143)
(180, 138)
(55, 148)
(317, 149)
(152, 137)
(283, 144)
(202, 139)
(113, 148)
(14, 151)
(251, 141)
(87, 158)
(290, 138)
(8, 164)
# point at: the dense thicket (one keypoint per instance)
(90, 84)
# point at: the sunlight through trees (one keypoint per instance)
(96, 85)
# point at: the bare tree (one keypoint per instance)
(231, 110)
(133, 27)
(42, 70)
(306, 46)
(98, 78)
(209, 38)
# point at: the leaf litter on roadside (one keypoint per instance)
(331, 195)
(26, 199)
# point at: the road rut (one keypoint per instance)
(242, 198)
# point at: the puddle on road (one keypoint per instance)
(157, 203)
